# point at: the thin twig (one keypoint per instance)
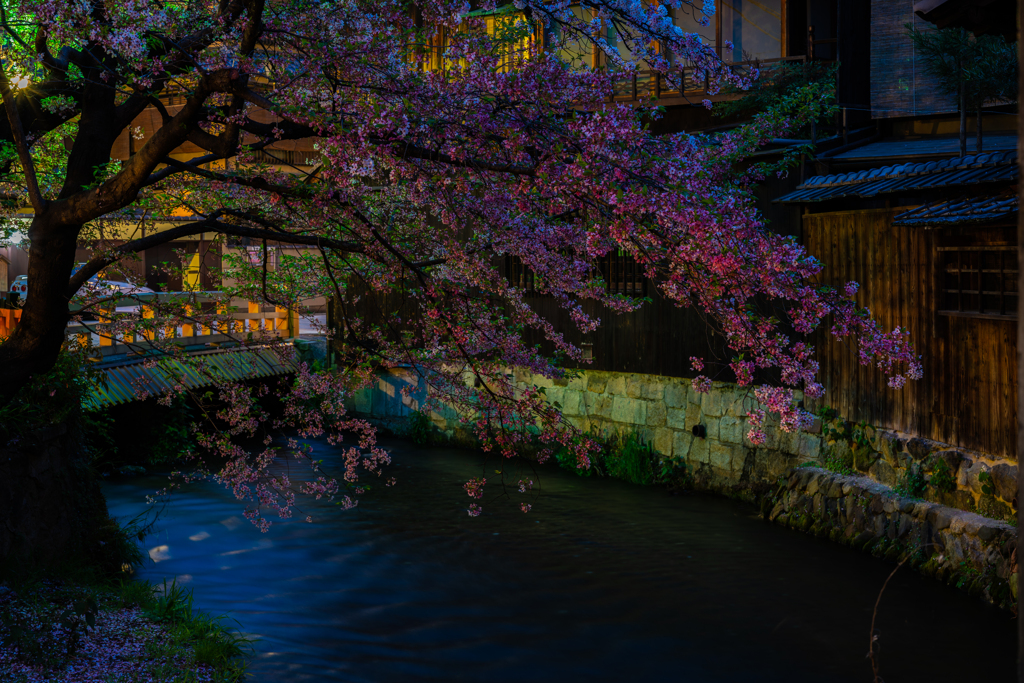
(876, 678)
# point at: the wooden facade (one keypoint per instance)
(657, 339)
(968, 395)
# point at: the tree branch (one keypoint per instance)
(209, 224)
(124, 187)
(24, 155)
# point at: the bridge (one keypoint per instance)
(136, 365)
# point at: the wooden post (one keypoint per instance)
(255, 324)
(149, 314)
(783, 36)
(281, 323)
(187, 329)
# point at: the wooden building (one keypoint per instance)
(195, 262)
(933, 245)
(886, 202)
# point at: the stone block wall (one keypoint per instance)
(878, 491)
(964, 549)
(396, 394)
(956, 477)
(665, 411)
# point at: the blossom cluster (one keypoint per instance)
(458, 173)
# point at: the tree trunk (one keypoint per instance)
(35, 343)
(52, 511)
(51, 508)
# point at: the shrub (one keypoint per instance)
(420, 428)
(174, 435)
(988, 487)
(624, 456)
(912, 484)
(836, 461)
(942, 477)
(211, 642)
(630, 458)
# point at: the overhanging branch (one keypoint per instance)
(210, 224)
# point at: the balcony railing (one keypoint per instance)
(648, 84)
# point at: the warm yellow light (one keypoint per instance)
(22, 82)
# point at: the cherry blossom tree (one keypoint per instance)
(443, 149)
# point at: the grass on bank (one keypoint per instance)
(626, 456)
(88, 620)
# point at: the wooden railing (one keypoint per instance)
(647, 84)
(240, 320)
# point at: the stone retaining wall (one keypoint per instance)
(665, 410)
(896, 491)
(964, 549)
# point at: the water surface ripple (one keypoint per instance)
(602, 581)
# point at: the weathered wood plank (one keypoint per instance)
(968, 395)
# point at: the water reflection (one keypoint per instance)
(601, 582)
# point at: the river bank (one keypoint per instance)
(79, 631)
(946, 511)
(601, 580)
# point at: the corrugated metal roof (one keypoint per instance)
(991, 167)
(213, 366)
(964, 211)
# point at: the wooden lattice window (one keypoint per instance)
(978, 281)
(521, 276)
(623, 274)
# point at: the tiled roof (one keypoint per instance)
(990, 167)
(964, 211)
(926, 146)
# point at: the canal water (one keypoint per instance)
(601, 581)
